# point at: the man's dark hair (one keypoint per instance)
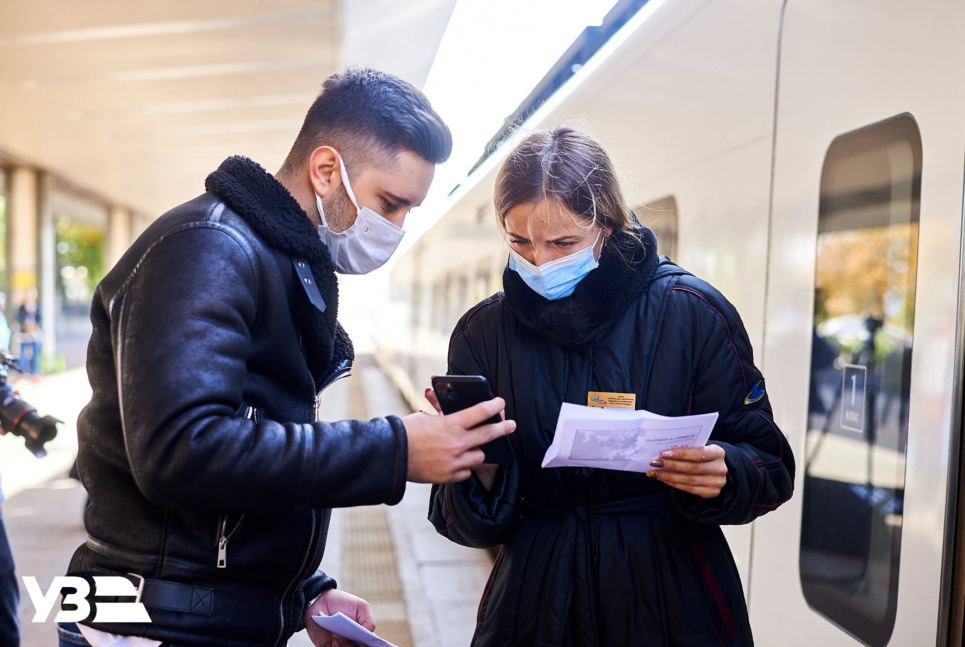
(374, 115)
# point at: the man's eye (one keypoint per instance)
(390, 206)
(518, 241)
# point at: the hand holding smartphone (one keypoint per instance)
(458, 392)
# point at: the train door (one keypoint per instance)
(861, 323)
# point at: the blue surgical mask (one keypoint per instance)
(555, 279)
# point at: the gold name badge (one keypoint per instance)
(614, 400)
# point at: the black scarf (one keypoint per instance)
(625, 268)
(276, 216)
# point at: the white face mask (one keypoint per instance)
(364, 246)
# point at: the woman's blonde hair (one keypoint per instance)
(567, 166)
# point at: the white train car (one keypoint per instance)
(807, 158)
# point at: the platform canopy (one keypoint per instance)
(135, 101)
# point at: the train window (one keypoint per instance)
(660, 216)
(857, 427)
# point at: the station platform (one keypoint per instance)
(424, 590)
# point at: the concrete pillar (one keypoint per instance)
(118, 235)
(31, 255)
(47, 280)
(22, 210)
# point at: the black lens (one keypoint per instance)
(20, 419)
(36, 431)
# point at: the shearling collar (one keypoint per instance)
(598, 300)
(252, 193)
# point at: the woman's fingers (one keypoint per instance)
(698, 470)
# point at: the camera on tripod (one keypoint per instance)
(18, 417)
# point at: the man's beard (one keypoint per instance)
(339, 212)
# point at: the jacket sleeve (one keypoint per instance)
(466, 512)
(181, 337)
(317, 584)
(760, 465)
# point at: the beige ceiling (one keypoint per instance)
(136, 101)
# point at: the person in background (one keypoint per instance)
(596, 556)
(9, 591)
(30, 332)
(211, 480)
(5, 332)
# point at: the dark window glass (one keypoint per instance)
(857, 429)
(660, 216)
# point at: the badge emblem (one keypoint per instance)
(755, 395)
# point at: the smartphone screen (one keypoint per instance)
(458, 392)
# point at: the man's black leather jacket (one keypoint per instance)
(207, 473)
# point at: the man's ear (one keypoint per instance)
(324, 173)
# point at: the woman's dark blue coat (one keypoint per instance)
(602, 557)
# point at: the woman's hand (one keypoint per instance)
(486, 473)
(698, 470)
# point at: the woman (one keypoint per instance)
(590, 556)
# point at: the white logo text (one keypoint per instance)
(78, 599)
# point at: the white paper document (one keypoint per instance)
(344, 626)
(621, 439)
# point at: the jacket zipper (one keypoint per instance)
(315, 391)
(224, 537)
(344, 369)
(251, 413)
(311, 536)
(300, 574)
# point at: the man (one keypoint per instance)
(212, 337)
(5, 332)
(9, 591)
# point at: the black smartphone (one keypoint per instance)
(458, 392)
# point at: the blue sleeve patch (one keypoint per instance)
(756, 394)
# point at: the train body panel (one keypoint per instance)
(780, 134)
(844, 67)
